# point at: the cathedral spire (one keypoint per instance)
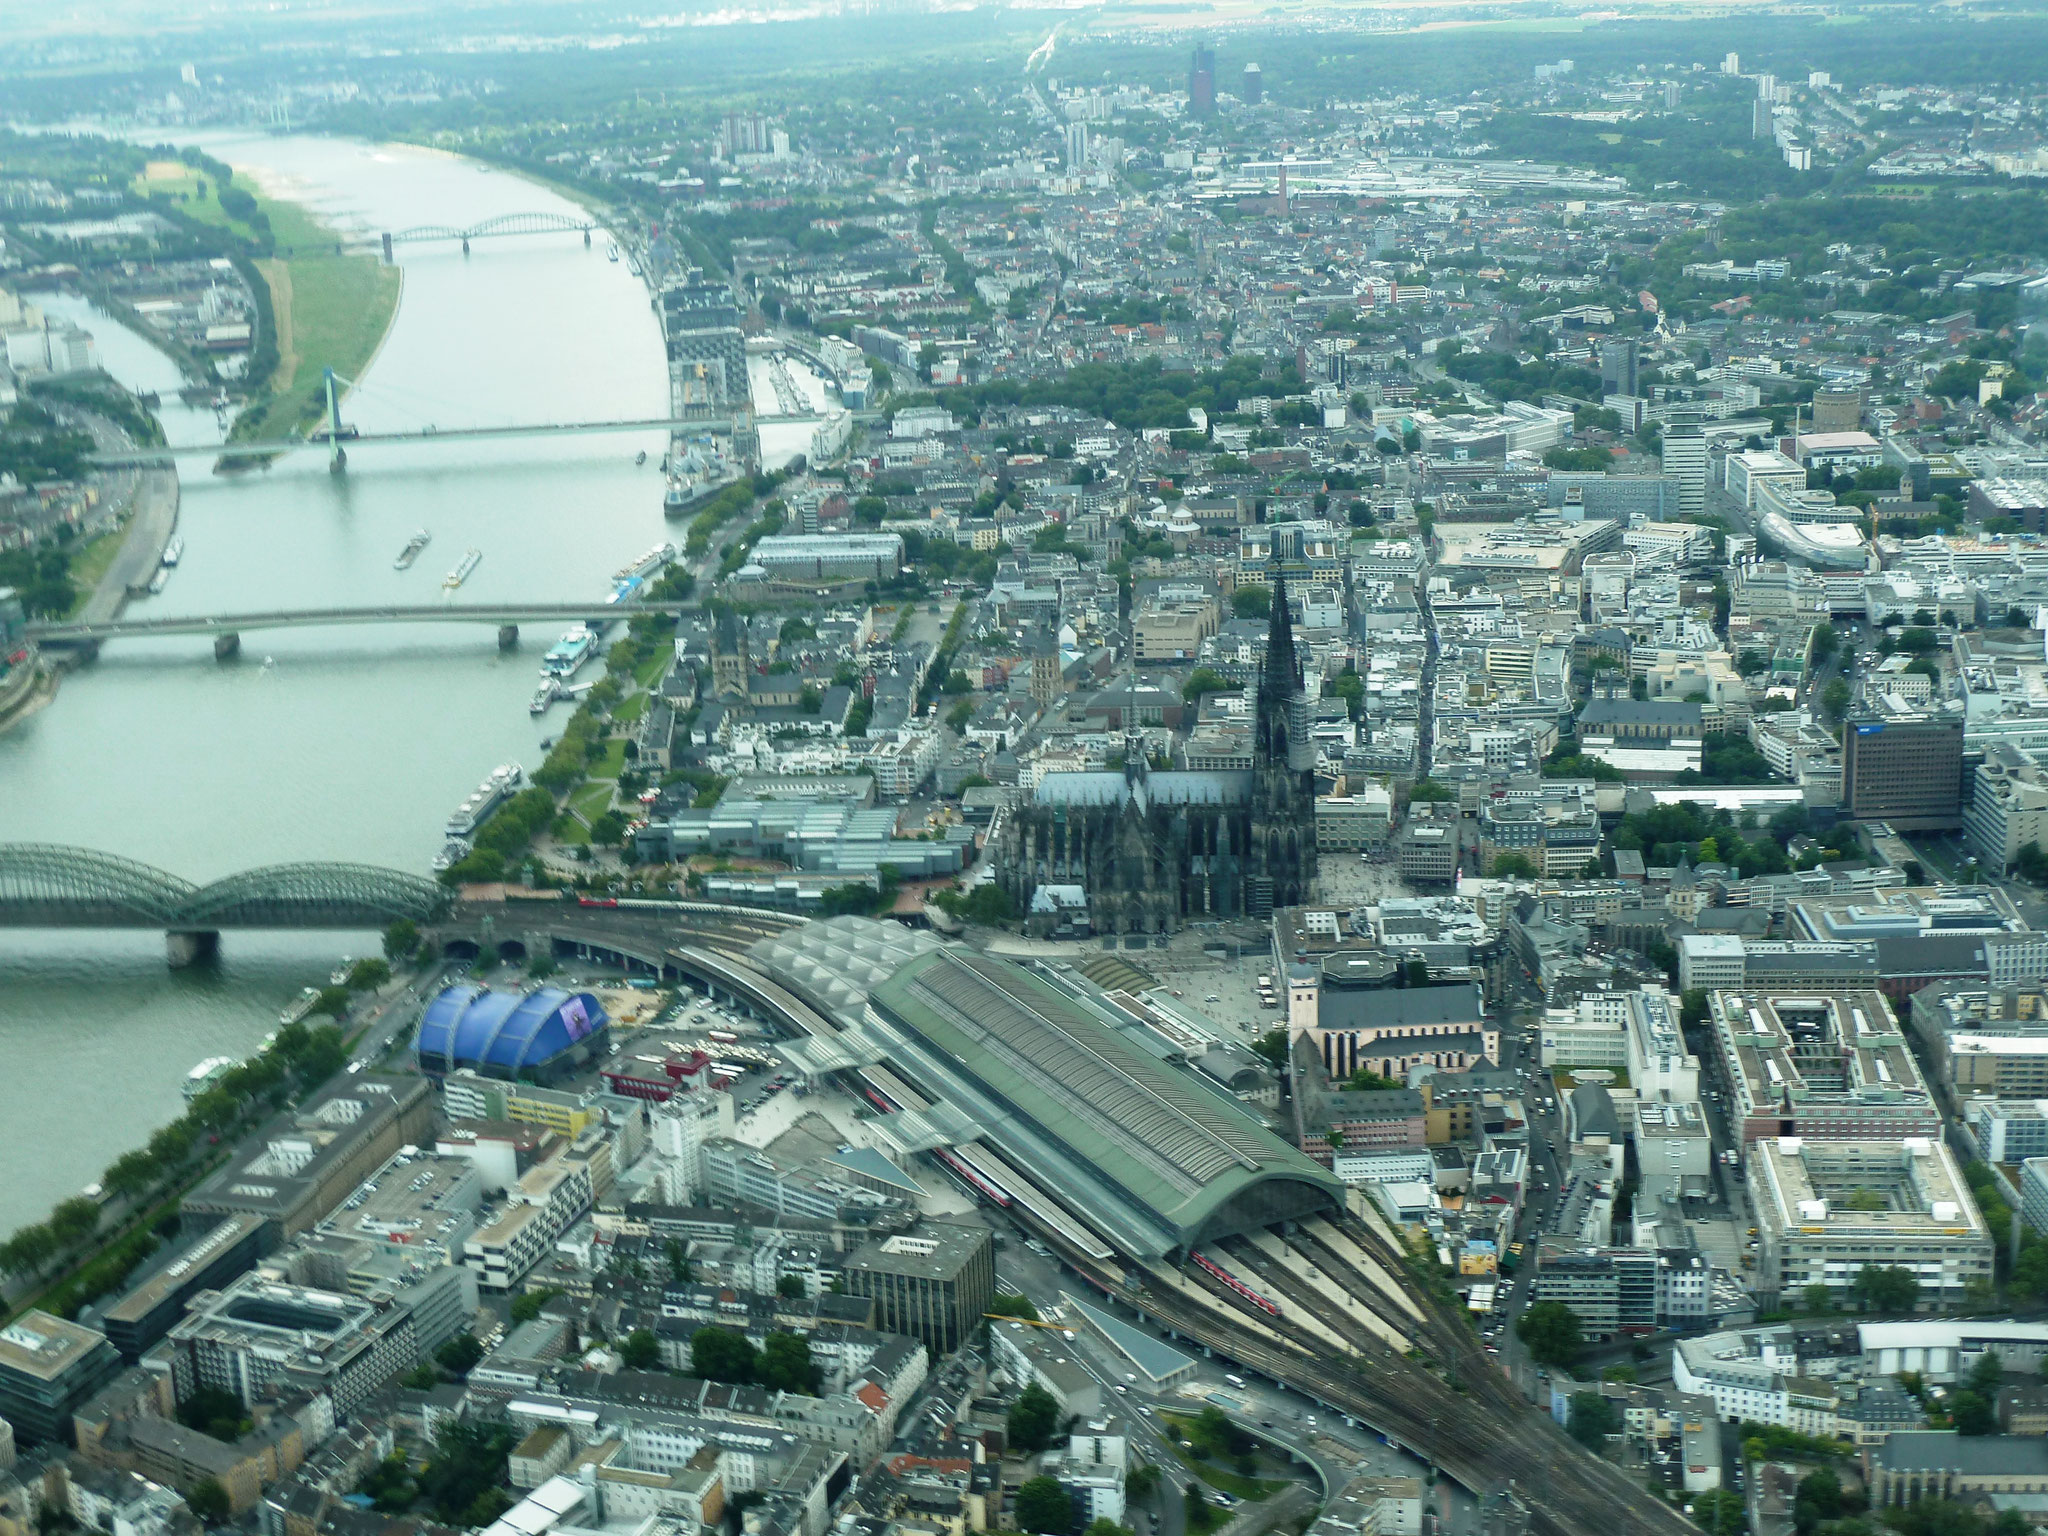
(1282, 671)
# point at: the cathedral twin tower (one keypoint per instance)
(1151, 852)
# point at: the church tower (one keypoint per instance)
(729, 661)
(1280, 871)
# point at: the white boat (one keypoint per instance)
(460, 574)
(566, 656)
(411, 552)
(453, 852)
(340, 976)
(505, 781)
(611, 251)
(647, 564)
(160, 579)
(300, 1006)
(211, 1070)
(543, 696)
(174, 551)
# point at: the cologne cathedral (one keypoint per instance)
(1154, 851)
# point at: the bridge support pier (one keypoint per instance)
(387, 247)
(465, 245)
(586, 237)
(189, 948)
(508, 636)
(227, 647)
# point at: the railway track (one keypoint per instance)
(1479, 1431)
(1363, 1341)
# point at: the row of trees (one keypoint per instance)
(298, 1060)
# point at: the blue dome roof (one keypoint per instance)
(503, 1033)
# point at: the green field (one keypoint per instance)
(332, 308)
(339, 309)
(91, 562)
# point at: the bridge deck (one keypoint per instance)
(43, 885)
(312, 618)
(272, 447)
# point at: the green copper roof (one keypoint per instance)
(1074, 1091)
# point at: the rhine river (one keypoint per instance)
(349, 744)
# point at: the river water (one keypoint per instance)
(321, 744)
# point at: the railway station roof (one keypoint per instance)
(1082, 1102)
(840, 960)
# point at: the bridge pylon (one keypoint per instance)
(186, 947)
(337, 462)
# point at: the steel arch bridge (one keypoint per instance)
(504, 224)
(43, 885)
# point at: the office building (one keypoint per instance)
(933, 1284)
(1720, 960)
(309, 1160)
(1825, 1210)
(2008, 1130)
(1904, 769)
(2008, 807)
(1252, 89)
(1829, 1068)
(1091, 1468)
(153, 1304)
(1685, 461)
(261, 1334)
(1618, 371)
(1202, 82)
(48, 1367)
(1077, 146)
(538, 1209)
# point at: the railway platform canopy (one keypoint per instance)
(1081, 1102)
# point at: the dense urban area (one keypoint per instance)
(1329, 813)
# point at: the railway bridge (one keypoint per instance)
(44, 885)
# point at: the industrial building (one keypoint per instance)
(542, 1035)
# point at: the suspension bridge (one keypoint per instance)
(227, 628)
(44, 885)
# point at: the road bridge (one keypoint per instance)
(226, 628)
(270, 448)
(44, 885)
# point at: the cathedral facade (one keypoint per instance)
(1155, 851)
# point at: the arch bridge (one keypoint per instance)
(504, 224)
(44, 885)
